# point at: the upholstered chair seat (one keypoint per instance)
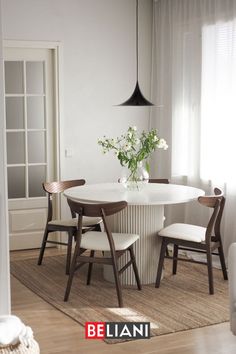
(98, 241)
(186, 232)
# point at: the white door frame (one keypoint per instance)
(56, 47)
(4, 232)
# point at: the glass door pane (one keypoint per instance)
(35, 113)
(15, 148)
(36, 147)
(14, 112)
(14, 77)
(35, 77)
(16, 182)
(37, 175)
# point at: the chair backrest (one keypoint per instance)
(155, 180)
(56, 188)
(217, 202)
(219, 193)
(96, 210)
(159, 180)
(61, 186)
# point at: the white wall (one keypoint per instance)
(4, 244)
(98, 38)
(98, 72)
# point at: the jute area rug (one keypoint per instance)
(182, 302)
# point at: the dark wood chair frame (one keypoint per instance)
(159, 180)
(212, 241)
(155, 180)
(164, 181)
(52, 188)
(79, 259)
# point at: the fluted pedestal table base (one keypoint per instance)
(146, 221)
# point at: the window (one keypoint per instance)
(218, 102)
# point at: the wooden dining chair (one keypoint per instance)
(164, 181)
(69, 225)
(116, 243)
(159, 180)
(196, 239)
(154, 180)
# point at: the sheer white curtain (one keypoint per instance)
(194, 79)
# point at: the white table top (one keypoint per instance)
(151, 194)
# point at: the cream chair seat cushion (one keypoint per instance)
(98, 241)
(185, 232)
(87, 221)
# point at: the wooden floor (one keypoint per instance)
(57, 333)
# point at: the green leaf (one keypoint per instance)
(147, 167)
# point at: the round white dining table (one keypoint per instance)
(144, 216)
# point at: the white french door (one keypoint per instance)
(30, 137)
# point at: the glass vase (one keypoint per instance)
(135, 180)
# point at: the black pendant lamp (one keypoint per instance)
(137, 98)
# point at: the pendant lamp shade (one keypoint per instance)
(137, 98)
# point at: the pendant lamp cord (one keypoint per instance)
(137, 37)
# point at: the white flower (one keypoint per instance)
(134, 128)
(155, 138)
(162, 144)
(137, 141)
(127, 147)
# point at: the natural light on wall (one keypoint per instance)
(218, 102)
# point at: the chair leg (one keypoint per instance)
(42, 249)
(117, 281)
(135, 268)
(72, 271)
(98, 227)
(210, 272)
(175, 259)
(222, 261)
(161, 262)
(90, 268)
(69, 249)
